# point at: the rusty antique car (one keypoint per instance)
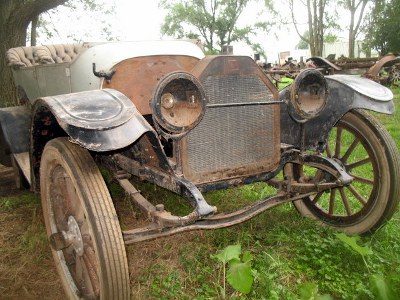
(167, 114)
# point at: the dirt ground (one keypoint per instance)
(27, 269)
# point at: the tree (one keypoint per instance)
(15, 16)
(318, 20)
(302, 44)
(212, 21)
(96, 15)
(384, 26)
(356, 9)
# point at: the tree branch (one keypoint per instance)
(360, 17)
(295, 23)
(28, 10)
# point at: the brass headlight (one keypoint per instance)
(178, 103)
(308, 95)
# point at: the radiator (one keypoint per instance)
(233, 141)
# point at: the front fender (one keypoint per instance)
(345, 92)
(98, 120)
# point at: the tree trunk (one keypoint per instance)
(12, 33)
(311, 28)
(353, 30)
(315, 12)
(34, 25)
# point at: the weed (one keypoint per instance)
(240, 274)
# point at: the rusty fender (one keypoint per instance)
(98, 120)
(345, 92)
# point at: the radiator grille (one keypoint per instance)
(233, 141)
(236, 89)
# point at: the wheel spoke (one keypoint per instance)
(328, 150)
(350, 150)
(319, 176)
(362, 179)
(358, 163)
(79, 278)
(345, 201)
(338, 142)
(83, 278)
(332, 202)
(90, 262)
(317, 197)
(356, 194)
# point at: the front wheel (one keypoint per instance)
(368, 153)
(82, 224)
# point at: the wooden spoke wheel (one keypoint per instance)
(82, 224)
(394, 74)
(367, 152)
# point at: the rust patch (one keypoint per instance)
(137, 77)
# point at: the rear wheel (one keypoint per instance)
(367, 152)
(82, 224)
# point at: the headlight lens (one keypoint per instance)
(178, 103)
(308, 95)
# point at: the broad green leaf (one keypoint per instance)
(240, 276)
(229, 253)
(352, 242)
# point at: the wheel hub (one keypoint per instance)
(73, 235)
(65, 239)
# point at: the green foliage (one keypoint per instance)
(240, 273)
(309, 291)
(303, 44)
(382, 288)
(284, 82)
(212, 21)
(321, 258)
(330, 38)
(384, 26)
(25, 200)
(353, 241)
(229, 253)
(99, 14)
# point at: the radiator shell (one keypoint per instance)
(233, 141)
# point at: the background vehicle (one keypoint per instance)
(165, 113)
